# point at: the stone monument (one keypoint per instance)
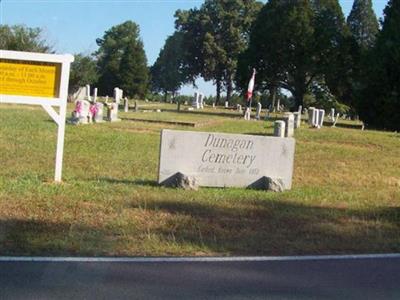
(289, 124)
(226, 160)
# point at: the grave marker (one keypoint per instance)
(297, 120)
(258, 111)
(279, 128)
(289, 124)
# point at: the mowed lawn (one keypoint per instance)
(345, 196)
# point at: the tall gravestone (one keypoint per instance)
(95, 95)
(226, 104)
(332, 115)
(321, 116)
(247, 114)
(289, 124)
(126, 104)
(88, 92)
(311, 116)
(258, 111)
(297, 120)
(201, 100)
(118, 93)
(195, 102)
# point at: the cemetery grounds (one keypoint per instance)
(345, 197)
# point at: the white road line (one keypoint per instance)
(194, 259)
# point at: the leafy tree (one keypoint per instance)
(338, 51)
(215, 35)
(120, 55)
(83, 71)
(379, 101)
(363, 23)
(168, 72)
(22, 38)
(294, 42)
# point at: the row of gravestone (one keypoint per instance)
(291, 121)
(118, 94)
(86, 112)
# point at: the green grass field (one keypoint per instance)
(345, 196)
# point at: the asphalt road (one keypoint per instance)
(365, 278)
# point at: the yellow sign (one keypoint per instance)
(29, 78)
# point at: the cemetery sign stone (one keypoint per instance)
(227, 160)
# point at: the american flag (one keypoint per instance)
(251, 86)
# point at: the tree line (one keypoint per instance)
(304, 47)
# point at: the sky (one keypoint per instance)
(72, 26)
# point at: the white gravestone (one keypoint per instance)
(247, 114)
(81, 112)
(332, 115)
(258, 111)
(95, 95)
(289, 124)
(226, 160)
(315, 121)
(201, 101)
(226, 104)
(112, 112)
(196, 100)
(239, 108)
(310, 115)
(117, 95)
(279, 129)
(297, 120)
(98, 112)
(126, 104)
(321, 115)
(88, 92)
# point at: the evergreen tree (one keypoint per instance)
(363, 23)
(168, 72)
(133, 72)
(121, 58)
(379, 102)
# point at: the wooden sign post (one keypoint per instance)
(38, 79)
